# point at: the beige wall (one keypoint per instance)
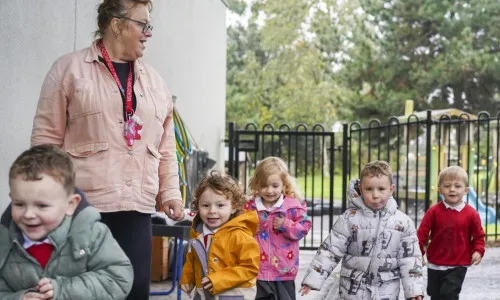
(188, 49)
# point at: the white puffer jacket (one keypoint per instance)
(377, 250)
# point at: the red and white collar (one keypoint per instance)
(28, 243)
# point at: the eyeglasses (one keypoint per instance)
(145, 26)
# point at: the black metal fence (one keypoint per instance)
(417, 146)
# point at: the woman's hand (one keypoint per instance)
(173, 209)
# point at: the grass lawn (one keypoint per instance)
(310, 192)
(491, 230)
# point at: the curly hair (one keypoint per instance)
(376, 168)
(223, 185)
(271, 166)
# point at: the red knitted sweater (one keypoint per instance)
(453, 235)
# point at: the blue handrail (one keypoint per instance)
(179, 233)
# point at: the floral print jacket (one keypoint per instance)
(279, 249)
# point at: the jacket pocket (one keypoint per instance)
(91, 163)
(83, 101)
(87, 150)
(161, 103)
(150, 182)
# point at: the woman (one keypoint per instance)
(113, 114)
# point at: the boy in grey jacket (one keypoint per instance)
(54, 246)
(376, 243)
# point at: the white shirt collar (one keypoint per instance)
(28, 243)
(457, 208)
(260, 206)
(207, 230)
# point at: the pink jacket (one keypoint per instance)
(80, 109)
(279, 249)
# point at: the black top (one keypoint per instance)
(122, 70)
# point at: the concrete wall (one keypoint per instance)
(188, 49)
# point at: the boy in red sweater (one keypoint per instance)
(456, 236)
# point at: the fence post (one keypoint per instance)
(331, 152)
(428, 156)
(231, 138)
(345, 164)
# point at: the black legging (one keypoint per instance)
(132, 230)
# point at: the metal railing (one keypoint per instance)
(417, 147)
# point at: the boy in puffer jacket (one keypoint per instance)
(52, 243)
(376, 243)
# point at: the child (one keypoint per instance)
(223, 259)
(376, 243)
(456, 234)
(283, 221)
(55, 247)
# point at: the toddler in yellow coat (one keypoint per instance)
(223, 257)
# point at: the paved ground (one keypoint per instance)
(482, 282)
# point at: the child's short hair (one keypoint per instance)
(48, 160)
(376, 168)
(269, 166)
(453, 172)
(223, 185)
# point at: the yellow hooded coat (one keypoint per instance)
(233, 257)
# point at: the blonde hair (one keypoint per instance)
(376, 168)
(453, 172)
(273, 166)
(223, 185)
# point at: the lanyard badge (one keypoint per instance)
(133, 128)
(133, 125)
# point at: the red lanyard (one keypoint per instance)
(128, 97)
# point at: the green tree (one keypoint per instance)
(439, 53)
(319, 61)
(275, 72)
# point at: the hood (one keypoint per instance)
(7, 214)
(356, 201)
(248, 221)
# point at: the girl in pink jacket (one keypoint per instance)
(283, 221)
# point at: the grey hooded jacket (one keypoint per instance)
(378, 250)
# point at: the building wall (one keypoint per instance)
(188, 49)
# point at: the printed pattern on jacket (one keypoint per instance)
(377, 250)
(279, 249)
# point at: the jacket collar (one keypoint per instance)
(94, 52)
(57, 237)
(390, 207)
(246, 220)
(260, 206)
